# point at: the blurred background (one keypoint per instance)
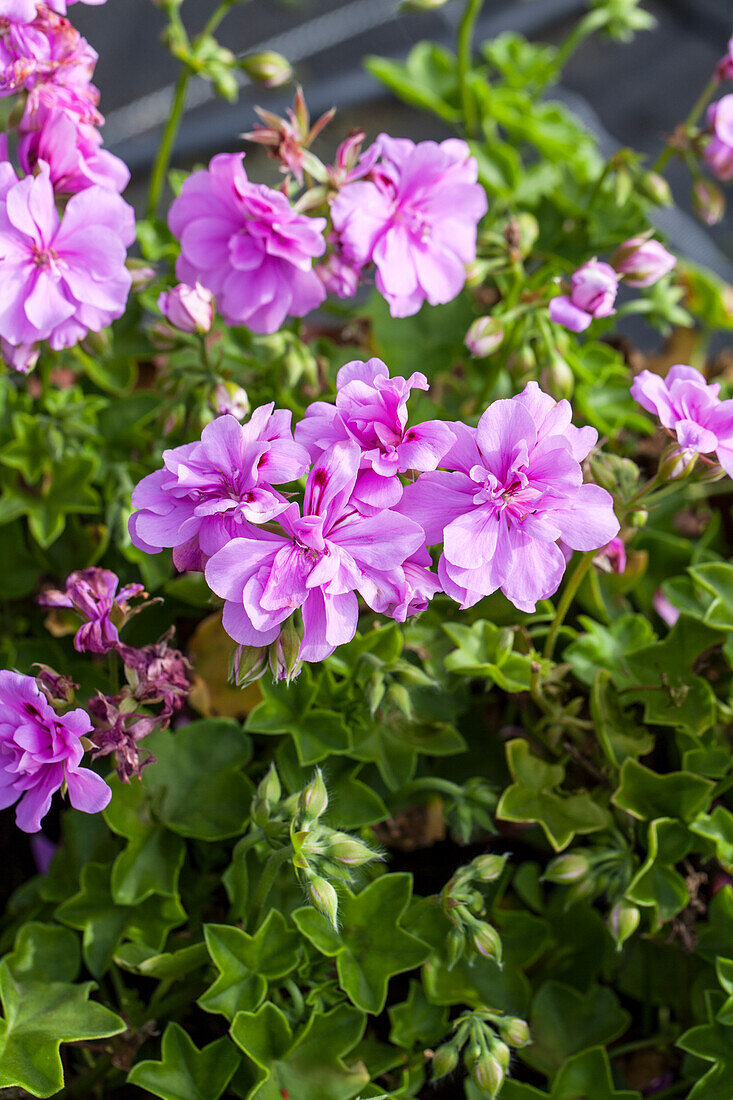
(628, 94)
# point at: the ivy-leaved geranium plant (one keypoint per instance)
(366, 690)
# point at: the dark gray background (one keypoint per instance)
(630, 94)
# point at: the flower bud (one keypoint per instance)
(141, 272)
(313, 798)
(445, 1061)
(21, 357)
(230, 398)
(642, 262)
(484, 337)
(623, 920)
(709, 201)
(514, 1031)
(502, 1053)
(638, 518)
(487, 941)
(655, 188)
(57, 688)
(323, 897)
(488, 867)
(558, 378)
(566, 869)
(676, 463)
(455, 946)
(268, 68)
(269, 791)
(611, 558)
(347, 849)
(488, 1074)
(283, 653)
(188, 308)
(246, 664)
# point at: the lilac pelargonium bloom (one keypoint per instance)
(512, 489)
(416, 219)
(718, 153)
(96, 596)
(208, 488)
(18, 11)
(60, 277)
(593, 290)
(318, 563)
(690, 409)
(40, 751)
(246, 244)
(73, 152)
(371, 409)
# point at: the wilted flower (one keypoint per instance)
(288, 139)
(158, 673)
(188, 308)
(594, 287)
(718, 153)
(93, 594)
(515, 489)
(40, 751)
(117, 731)
(643, 262)
(246, 244)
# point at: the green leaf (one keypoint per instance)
(246, 962)
(45, 953)
(619, 735)
(717, 827)
(371, 945)
(316, 732)
(533, 797)
(715, 936)
(417, 1022)
(713, 1042)
(185, 1072)
(38, 1017)
(197, 785)
(168, 966)
(564, 1022)
(522, 64)
(585, 1075)
(484, 650)
(644, 794)
(153, 857)
(426, 80)
(657, 884)
(309, 1065)
(716, 577)
(104, 923)
(602, 647)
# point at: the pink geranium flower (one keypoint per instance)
(95, 595)
(689, 409)
(593, 291)
(40, 751)
(73, 153)
(718, 152)
(60, 277)
(317, 562)
(206, 490)
(512, 490)
(246, 244)
(416, 218)
(371, 409)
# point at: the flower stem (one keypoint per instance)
(165, 150)
(566, 599)
(697, 108)
(266, 881)
(465, 61)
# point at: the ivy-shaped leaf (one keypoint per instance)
(564, 1021)
(534, 797)
(246, 962)
(317, 732)
(587, 1074)
(657, 884)
(371, 945)
(417, 1021)
(104, 923)
(185, 1072)
(45, 953)
(715, 936)
(713, 1042)
(153, 857)
(37, 1017)
(486, 650)
(619, 735)
(606, 647)
(309, 1065)
(717, 828)
(645, 794)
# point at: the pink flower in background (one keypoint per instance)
(73, 153)
(643, 262)
(724, 70)
(22, 358)
(515, 488)
(61, 5)
(691, 410)
(188, 308)
(594, 287)
(60, 277)
(666, 610)
(318, 563)
(246, 244)
(158, 673)
(40, 751)
(18, 11)
(612, 557)
(416, 219)
(371, 409)
(206, 490)
(95, 595)
(718, 153)
(339, 277)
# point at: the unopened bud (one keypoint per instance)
(188, 308)
(655, 187)
(514, 1031)
(347, 849)
(323, 897)
(444, 1061)
(455, 946)
(488, 868)
(57, 688)
(314, 798)
(141, 272)
(487, 941)
(677, 463)
(558, 378)
(268, 68)
(283, 653)
(709, 201)
(246, 664)
(228, 397)
(502, 1053)
(623, 920)
(567, 869)
(638, 518)
(484, 337)
(488, 1074)
(269, 789)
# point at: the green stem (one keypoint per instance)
(697, 108)
(465, 62)
(266, 881)
(593, 21)
(217, 17)
(639, 1044)
(165, 150)
(566, 599)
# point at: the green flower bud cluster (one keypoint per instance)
(464, 904)
(591, 872)
(485, 1038)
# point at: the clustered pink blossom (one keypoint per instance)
(40, 751)
(504, 499)
(96, 597)
(246, 244)
(593, 290)
(415, 218)
(642, 261)
(690, 410)
(718, 153)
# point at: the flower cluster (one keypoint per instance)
(502, 499)
(61, 275)
(94, 594)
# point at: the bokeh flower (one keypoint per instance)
(642, 261)
(718, 153)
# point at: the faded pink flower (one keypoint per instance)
(666, 610)
(158, 673)
(95, 595)
(40, 751)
